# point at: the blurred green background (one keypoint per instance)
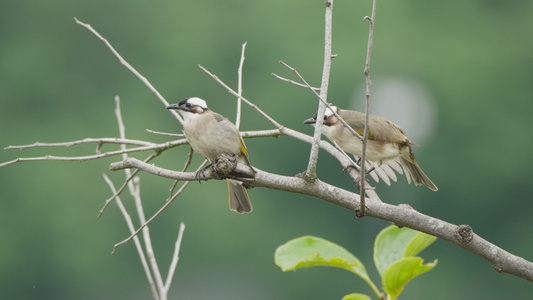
(469, 64)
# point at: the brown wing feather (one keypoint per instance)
(380, 129)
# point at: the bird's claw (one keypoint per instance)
(347, 168)
(200, 174)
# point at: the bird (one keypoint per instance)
(212, 135)
(387, 146)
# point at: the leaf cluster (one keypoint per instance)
(395, 251)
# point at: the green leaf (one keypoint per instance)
(420, 242)
(356, 296)
(309, 251)
(401, 272)
(393, 244)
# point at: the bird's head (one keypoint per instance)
(190, 107)
(328, 117)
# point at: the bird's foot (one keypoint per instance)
(347, 168)
(235, 161)
(224, 165)
(371, 169)
(200, 174)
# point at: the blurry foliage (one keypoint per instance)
(57, 83)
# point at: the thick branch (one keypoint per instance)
(222, 169)
(401, 215)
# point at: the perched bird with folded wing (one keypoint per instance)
(387, 146)
(211, 135)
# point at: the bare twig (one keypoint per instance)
(188, 161)
(136, 241)
(271, 120)
(84, 141)
(154, 147)
(175, 257)
(185, 184)
(134, 188)
(125, 184)
(313, 156)
(185, 166)
(136, 194)
(129, 175)
(148, 147)
(371, 20)
(295, 83)
(306, 84)
(166, 133)
(129, 67)
(239, 89)
(353, 163)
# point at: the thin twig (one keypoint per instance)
(185, 166)
(125, 184)
(150, 146)
(185, 184)
(155, 147)
(166, 133)
(175, 257)
(306, 84)
(83, 141)
(371, 20)
(136, 194)
(134, 189)
(353, 163)
(295, 83)
(313, 156)
(136, 241)
(271, 120)
(129, 67)
(239, 89)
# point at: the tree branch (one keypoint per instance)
(401, 215)
(317, 135)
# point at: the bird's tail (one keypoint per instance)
(238, 197)
(417, 174)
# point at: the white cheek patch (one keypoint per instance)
(187, 116)
(326, 130)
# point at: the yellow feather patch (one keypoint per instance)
(243, 148)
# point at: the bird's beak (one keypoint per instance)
(174, 106)
(310, 121)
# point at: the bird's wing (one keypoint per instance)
(380, 129)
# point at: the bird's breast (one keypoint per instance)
(211, 138)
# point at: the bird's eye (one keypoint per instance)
(188, 105)
(325, 117)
